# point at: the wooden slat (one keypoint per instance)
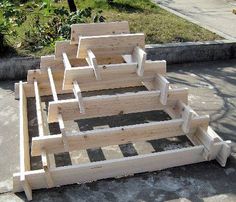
(63, 132)
(140, 56)
(24, 142)
(79, 157)
(124, 74)
(57, 64)
(42, 77)
(214, 147)
(163, 85)
(93, 62)
(110, 45)
(113, 168)
(78, 96)
(41, 131)
(97, 106)
(52, 84)
(143, 147)
(65, 47)
(187, 117)
(97, 29)
(117, 135)
(66, 61)
(111, 151)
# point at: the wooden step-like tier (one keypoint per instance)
(109, 57)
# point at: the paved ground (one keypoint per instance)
(212, 91)
(216, 14)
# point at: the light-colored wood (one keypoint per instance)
(110, 45)
(117, 135)
(65, 47)
(24, 142)
(111, 151)
(124, 74)
(46, 168)
(128, 58)
(163, 85)
(52, 84)
(79, 157)
(93, 62)
(41, 131)
(109, 105)
(57, 64)
(97, 29)
(66, 61)
(78, 96)
(140, 56)
(112, 168)
(123, 79)
(63, 132)
(143, 147)
(187, 116)
(214, 147)
(27, 189)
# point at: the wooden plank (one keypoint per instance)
(113, 168)
(47, 61)
(27, 189)
(44, 84)
(140, 56)
(111, 151)
(143, 147)
(115, 136)
(24, 142)
(187, 117)
(50, 157)
(128, 58)
(214, 148)
(41, 131)
(97, 106)
(97, 29)
(57, 64)
(93, 62)
(113, 72)
(65, 47)
(66, 61)
(110, 45)
(163, 84)
(79, 157)
(78, 96)
(63, 132)
(52, 84)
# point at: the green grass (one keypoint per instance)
(158, 25)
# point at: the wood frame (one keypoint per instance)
(96, 29)
(57, 75)
(110, 45)
(208, 145)
(120, 104)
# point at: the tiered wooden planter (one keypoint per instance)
(106, 56)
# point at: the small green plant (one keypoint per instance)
(57, 27)
(11, 17)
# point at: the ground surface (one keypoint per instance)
(212, 91)
(158, 25)
(213, 13)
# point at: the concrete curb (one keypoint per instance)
(173, 53)
(189, 52)
(16, 68)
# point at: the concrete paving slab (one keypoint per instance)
(212, 91)
(213, 14)
(9, 140)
